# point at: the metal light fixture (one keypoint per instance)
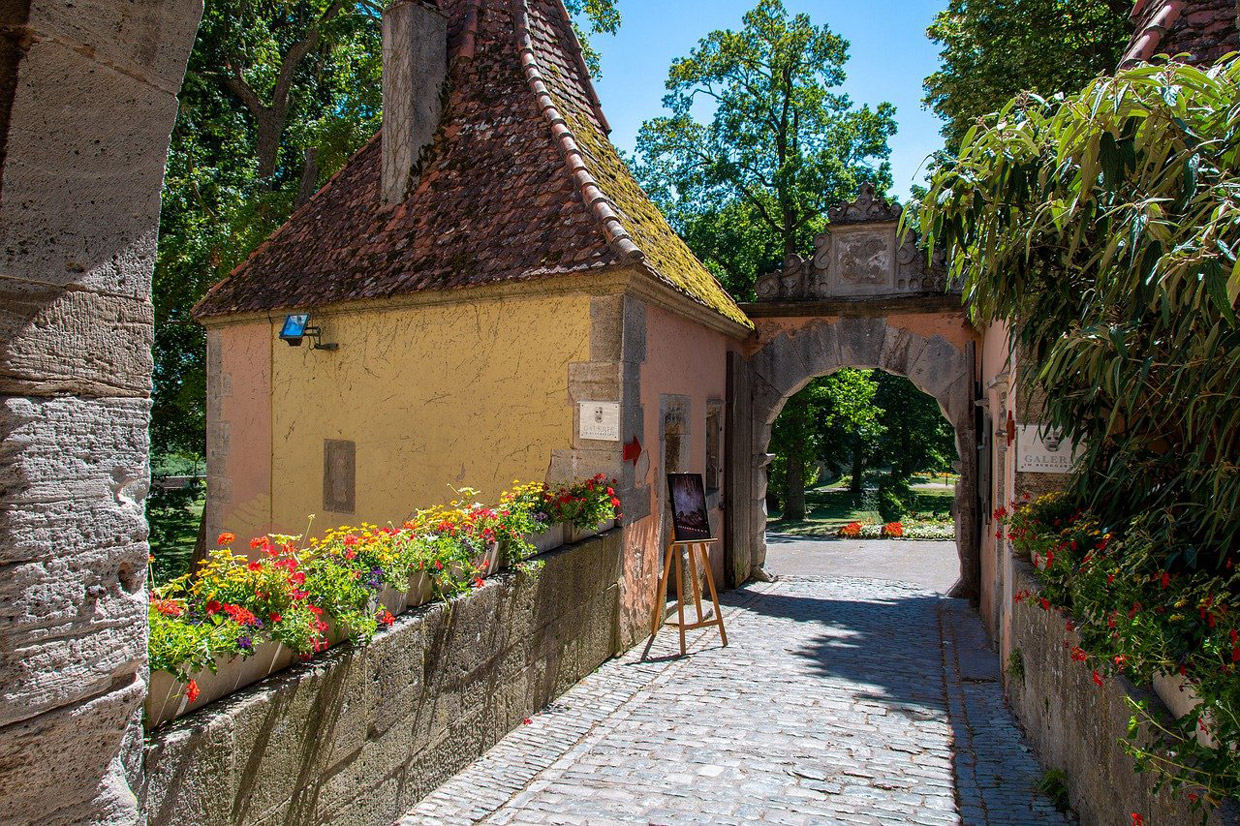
(297, 327)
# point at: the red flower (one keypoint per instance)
(478, 583)
(350, 554)
(350, 540)
(1045, 603)
(1097, 679)
(226, 538)
(191, 691)
(1166, 579)
(1079, 655)
(213, 606)
(168, 608)
(298, 578)
(386, 617)
(255, 566)
(258, 542)
(274, 617)
(1137, 820)
(527, 721)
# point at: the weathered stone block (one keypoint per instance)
(145, 39)
(81, 193)
(190, 790)
(861, 341)
(80, 744)
(594, 381)
(606, 328)
(70, 628)
(937, 367)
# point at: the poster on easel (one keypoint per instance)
(689, 518)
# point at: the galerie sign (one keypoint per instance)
(1043, 450)
(599, 420)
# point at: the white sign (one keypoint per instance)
(599, 420)
(1046, 452)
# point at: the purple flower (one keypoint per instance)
(245, 643)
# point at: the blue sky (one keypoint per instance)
(888, 57)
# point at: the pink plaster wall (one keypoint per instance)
(951, 326)
(682, 358)
(239, 487)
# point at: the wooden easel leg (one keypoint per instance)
(680, 602)
(714, 597)
(660, 593)
(694, 585)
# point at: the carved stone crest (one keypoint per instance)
(869, 206)
(860, 255)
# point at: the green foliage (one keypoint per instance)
(1054, 783)
(853, 420)
(751, 185)
(915, 435)
(1104, 230)
(1137, 618)
(895, 497)
(1016, 665)
(993, 49)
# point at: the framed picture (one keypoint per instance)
(689, 518)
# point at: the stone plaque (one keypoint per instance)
(339, 474)
(1045, 452)
(599, 420)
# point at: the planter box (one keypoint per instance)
(574, 534)
(549, 539)
(166, 700)
(165, 697)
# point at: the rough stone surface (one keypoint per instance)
(837, 701)
(1076, 726)
(87, 101)
(357, 736)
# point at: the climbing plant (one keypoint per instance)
(1102, 228)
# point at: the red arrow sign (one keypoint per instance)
(633, 451)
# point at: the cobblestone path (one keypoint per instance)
(846, 701)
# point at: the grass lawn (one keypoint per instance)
(173, 534)
(831, 506)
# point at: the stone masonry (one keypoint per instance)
(87, 102)
(357, 736)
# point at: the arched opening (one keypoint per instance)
(863, 482)
(934, 351)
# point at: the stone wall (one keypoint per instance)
(357, 736)
(1075, 725)
(87, 102)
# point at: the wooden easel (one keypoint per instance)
(699, 547)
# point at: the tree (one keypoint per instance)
(780, 147)
(994, 49)
(1104, 230)
(916, 437)
(832, 420)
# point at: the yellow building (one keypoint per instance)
(472, 276)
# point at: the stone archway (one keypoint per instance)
(868, 299)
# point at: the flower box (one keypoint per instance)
(574, 534)
(548, 540)
(166, 695)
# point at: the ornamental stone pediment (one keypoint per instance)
(861, 254)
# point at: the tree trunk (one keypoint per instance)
(795, 510)
(858, 469)
(309, 177)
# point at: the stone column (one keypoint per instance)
(87, 102)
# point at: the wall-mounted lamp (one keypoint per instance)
(296, 327)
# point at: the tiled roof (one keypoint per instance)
(1205, 30)
(521, 183)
